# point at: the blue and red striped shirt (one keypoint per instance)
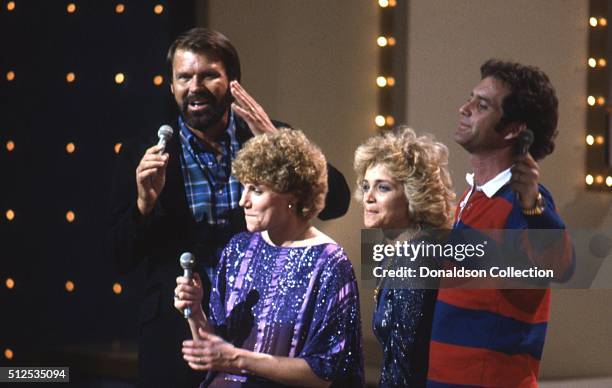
(495, 337)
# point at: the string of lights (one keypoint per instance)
(598, 160)
(385, 81)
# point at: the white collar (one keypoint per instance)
(493, 185)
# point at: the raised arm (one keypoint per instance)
(188, 293)
(127, 225)
(555, 250)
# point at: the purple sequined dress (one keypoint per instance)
(293, 302)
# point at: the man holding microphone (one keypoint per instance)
(184, 198)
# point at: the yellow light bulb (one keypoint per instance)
(601, 101)
(117, 288)
(10, 145)
(69, 286)
(391, 41)
(599, 179)
(158, 80)
(590, 140)
(158, 9)
(70, 77)
(589, 180)
(119, 78)
(10, 6)
(603, 22)
(602, 62)
(118, 148)
(380, 121)
(599, 140)
(10, 75)
(390, 120)
(70, 216)
(70, 147)
(119, 8)
(71, 8)
(10, 283)
(390, 81)
(10, 215)
(8, 354)
(392, 3)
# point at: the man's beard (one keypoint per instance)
(204, 120)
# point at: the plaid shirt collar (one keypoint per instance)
(188, 136)
(211, 191)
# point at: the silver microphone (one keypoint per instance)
(164, 133)
(187, 261)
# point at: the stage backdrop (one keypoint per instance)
(77, 79)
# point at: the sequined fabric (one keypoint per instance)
(402, 324)
(293, 302)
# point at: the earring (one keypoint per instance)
(290, 206)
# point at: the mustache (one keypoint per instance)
(203, 95)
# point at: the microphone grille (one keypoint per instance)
(526, 137)
(187, 260)
(165, 131)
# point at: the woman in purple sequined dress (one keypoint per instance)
(403, 183)
(284, 309)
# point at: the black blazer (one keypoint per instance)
(158, 240)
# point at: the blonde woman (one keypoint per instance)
(403, 183)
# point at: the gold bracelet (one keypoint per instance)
(537, 210)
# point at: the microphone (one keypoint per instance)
(524, 141)
(187, 261)
(165, 133)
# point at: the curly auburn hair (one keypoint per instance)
(288, 163)
(532, 100)
(420, 164)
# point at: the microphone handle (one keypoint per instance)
(187, 311)
(162, 143)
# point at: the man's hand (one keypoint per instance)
(250, 111)
(150, 179)
(524, 182)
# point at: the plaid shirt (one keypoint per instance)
(211, 189)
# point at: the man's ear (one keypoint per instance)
(513, 130)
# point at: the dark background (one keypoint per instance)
(92, 328)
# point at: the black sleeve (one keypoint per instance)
(338, 195)
(126, 227)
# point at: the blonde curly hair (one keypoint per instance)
(420, 164)
(288, 163)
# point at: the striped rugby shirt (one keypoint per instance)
(495, 337)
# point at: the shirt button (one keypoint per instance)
(220, 192)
